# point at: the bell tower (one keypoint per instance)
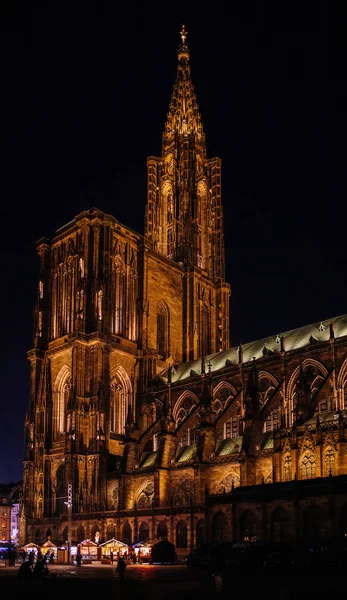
(184, 216)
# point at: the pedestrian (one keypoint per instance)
(111, 557)
(25, 571)
(121, 568)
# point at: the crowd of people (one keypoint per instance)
(35, 567)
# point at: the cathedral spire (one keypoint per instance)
(183, 117)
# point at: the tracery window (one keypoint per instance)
(120, 401)
(232, 427)
(118, 292)
(272, 422)
(60, 401)
(329, 460)
(308, 466)
(181, 534)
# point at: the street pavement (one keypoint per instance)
(141, 581)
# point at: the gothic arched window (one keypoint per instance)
(143, 532)
(162, 530)
(308, 466)
(80, 533)
(127, 534)
(200, 532)
(287, 467)
(181, 535)
(329, 462)
(220, 527)
(280, 526)
(205, 334)
(344, 407)
(120, 401)
(61, 396)
(162, 330)
(118, 293)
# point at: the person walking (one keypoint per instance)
(111, 557)
(121, 566)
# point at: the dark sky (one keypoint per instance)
(84, 95)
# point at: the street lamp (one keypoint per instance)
(69, 514)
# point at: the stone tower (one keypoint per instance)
(184, 217)
(114, 309)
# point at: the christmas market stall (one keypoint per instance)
(163, 552)
(49, 547)
(88, 551)
(31, 547)
(113, 546)
(143, 551)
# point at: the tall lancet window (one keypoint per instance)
(61, 395)
(132, 294)
(205, 334)
(118, 293)
(100, 295)
(121, 400)
(162, 330)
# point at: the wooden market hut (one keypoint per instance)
(48, 547)
(115, 546)
(88, 550)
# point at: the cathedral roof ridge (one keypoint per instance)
(293, 339)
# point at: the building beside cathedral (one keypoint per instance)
(143, 422)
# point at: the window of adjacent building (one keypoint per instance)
(3, 524)
(308, 466)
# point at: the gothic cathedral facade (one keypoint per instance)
(138, 404)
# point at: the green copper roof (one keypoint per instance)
(148, 459)
(229, 446)
(186, 453)
(268, 440)
(293, 340)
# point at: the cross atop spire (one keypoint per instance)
(184, 34)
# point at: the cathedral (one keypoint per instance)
(143, 423)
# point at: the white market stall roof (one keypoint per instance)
(48, 544)
(87, 543)
(30, 545)
(113, 542)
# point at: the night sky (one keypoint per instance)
(84, 95)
